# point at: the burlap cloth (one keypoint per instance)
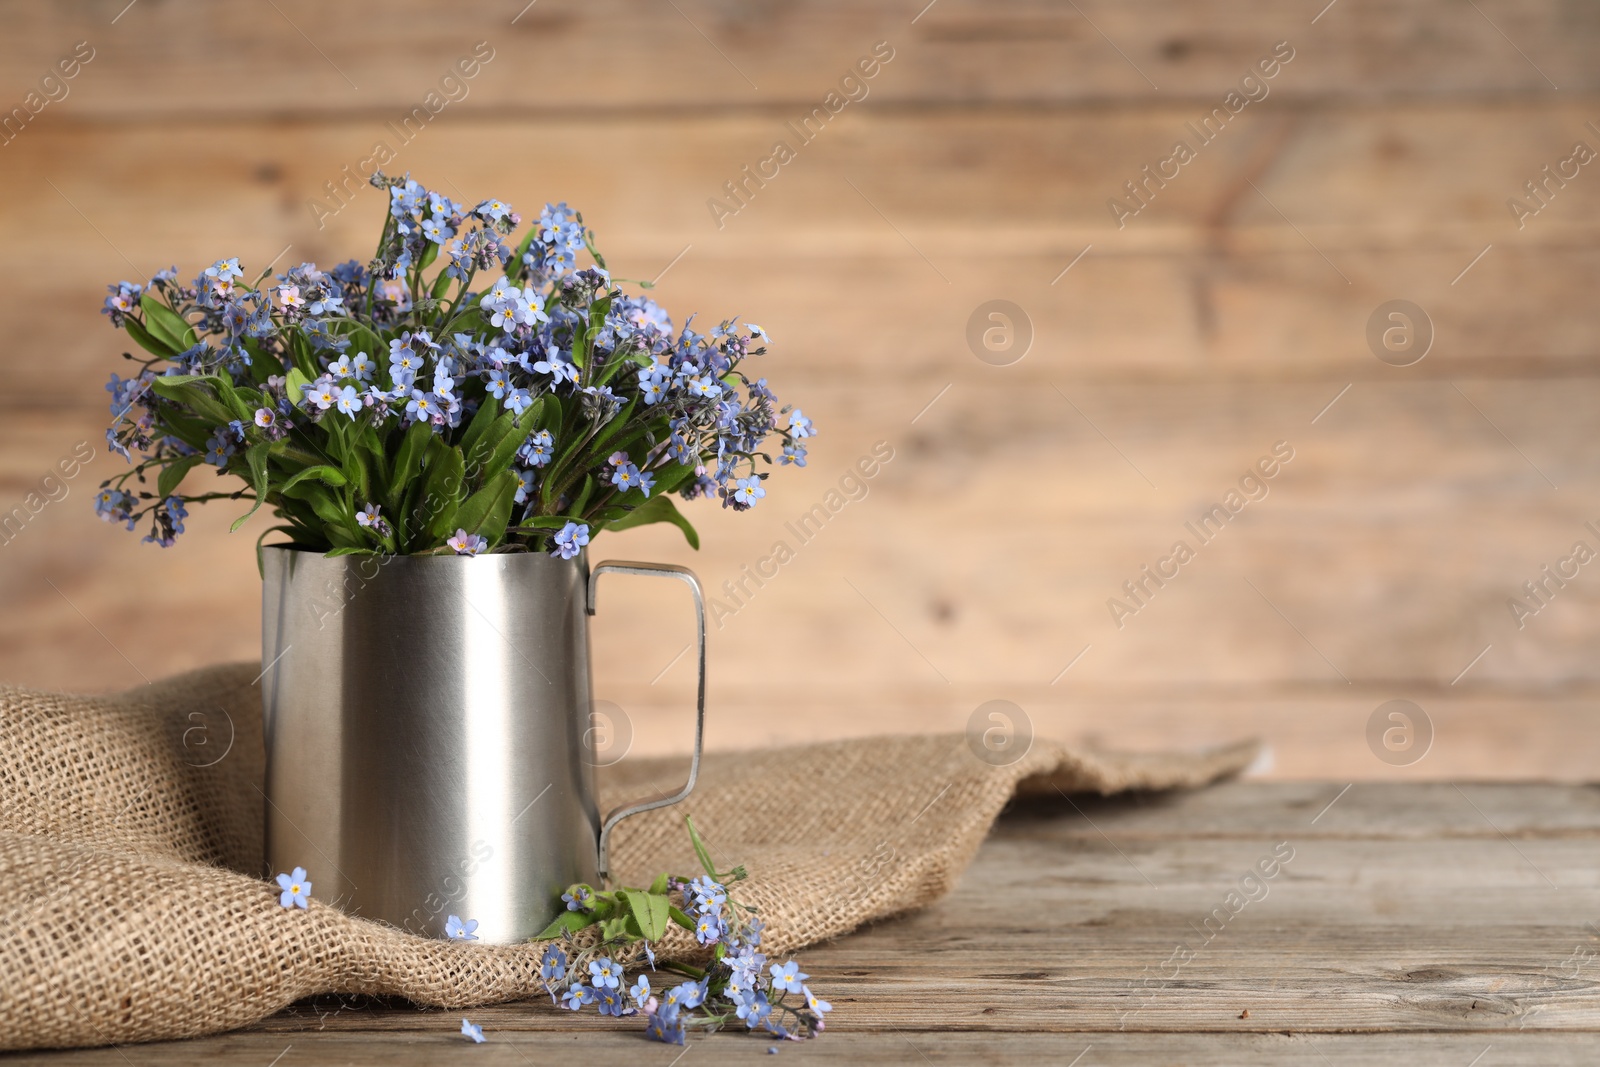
(133, 908)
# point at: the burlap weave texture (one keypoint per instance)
(133, 908)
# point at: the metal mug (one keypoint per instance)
(428, 728)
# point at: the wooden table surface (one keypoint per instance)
(1431, 923)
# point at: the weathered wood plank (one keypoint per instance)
(1312, 810)
(1421, 934)
(1209, 281)
(1352, 177)
(1402, 935)
(624, 1046)
(1435, 812)
(162, 58)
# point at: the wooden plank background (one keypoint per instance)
(1225, 317)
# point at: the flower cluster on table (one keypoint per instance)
(731, 990)
(738, 987)
(375, 409)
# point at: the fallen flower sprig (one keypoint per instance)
(738, 986)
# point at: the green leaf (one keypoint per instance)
(487, 511)
(165, 324)
(327, 508)
(196, 393)
(308, 490)
(300, 351)
(261, 563)
(336, 447)
(188, 428)
(341, 537)
(443, 488)
(355, 462)
(699, 847)
(657, 509)
(306, 527)
(622, 928)
(262, 365)
(408, 459)
(487, 414)
(148, 341)
(293, 383)
(566, 922)
(372, 444)
(555, 472)
(256, 457)
(680, 918)
(351, 552)
(650, 912)
(671, 478)
(512, 431)
(617, 362)
(172, 474)
(429, 253)
(604, 906)
(473, 320)
(324, 473)
(185, 379)
(440, 285)
(546, 416)
(659, 886)
(584, 494)
(230, 397)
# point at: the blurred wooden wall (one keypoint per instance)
(1226, 316)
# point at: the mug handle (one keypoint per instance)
(685, 575)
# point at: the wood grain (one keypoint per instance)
(624, 1046)
(1428, 923)
(165, 57)
(897, 226)
(1409, 921)
(1351, 530)
(1230, 314)
(1394, 565)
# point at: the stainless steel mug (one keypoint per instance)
(428, 733)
